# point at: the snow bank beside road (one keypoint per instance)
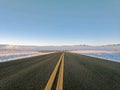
(7, 55)
(104, 54)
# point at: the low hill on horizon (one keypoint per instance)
(65, 47)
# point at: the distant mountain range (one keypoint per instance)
(67, 47)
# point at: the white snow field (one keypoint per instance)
(104, 54)
(11, 52)
(7, 55)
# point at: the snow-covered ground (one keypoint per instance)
(104, 54)
(7, 55)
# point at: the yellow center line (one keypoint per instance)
(52, 77)
(60, 77)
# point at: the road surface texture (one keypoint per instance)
(87, 73)
(60, 71)
(27, 74)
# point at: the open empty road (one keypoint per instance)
(60, 71)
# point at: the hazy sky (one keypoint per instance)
(59, 22)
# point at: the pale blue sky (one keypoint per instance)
(59, 22)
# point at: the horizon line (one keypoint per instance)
(63, 45)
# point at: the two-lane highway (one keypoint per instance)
(60, 71)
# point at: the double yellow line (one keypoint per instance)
(60, 76)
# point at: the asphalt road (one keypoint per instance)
(27, 74)
(64, 70)
(87, 73)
